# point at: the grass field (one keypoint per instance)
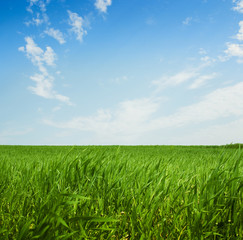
(111, 192)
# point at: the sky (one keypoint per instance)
(121, 72)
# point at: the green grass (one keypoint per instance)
(142, 192)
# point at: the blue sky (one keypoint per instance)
(121, 72)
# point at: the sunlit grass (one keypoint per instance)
(115, 192)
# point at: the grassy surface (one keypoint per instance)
(152, 192)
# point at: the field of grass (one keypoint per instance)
(111, 192)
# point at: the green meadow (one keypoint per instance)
(126, 192)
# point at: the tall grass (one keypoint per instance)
(121, 193)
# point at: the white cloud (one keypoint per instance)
(128, 120)
(44, 88)
(56, 34)
(187, 21)
(221, 103)
(239, 35)
(36, 21)
(133, 120)
(41, 4)
(234, 50)
(175, 80)
(201, 80)
(205, 58)
(220, 134)
(44, 81)
(77, 24)
(223, 58)
(239, 6)
(32, 3)
(41, 16)
(37, 56)
(102, 5)
(62, 98)
(49, 56)
(21, 49)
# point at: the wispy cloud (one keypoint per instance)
(56, 34)
(37, 56)
(220, 103)
(238, 6)
(175, 80)
(102, 5)
(44, 88)
(44, 85)
(119, 80)
(187, 21)
(44, 81)
(32, 3)
(234, 50)
(126, 122)
(202, 80)
(77, 24)
(14, 132)
(40, 12)
(239, 35)
(230, 132)
(205, 58)
(41, 4)
(134, 119)
(7, 134)
(35, 20)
